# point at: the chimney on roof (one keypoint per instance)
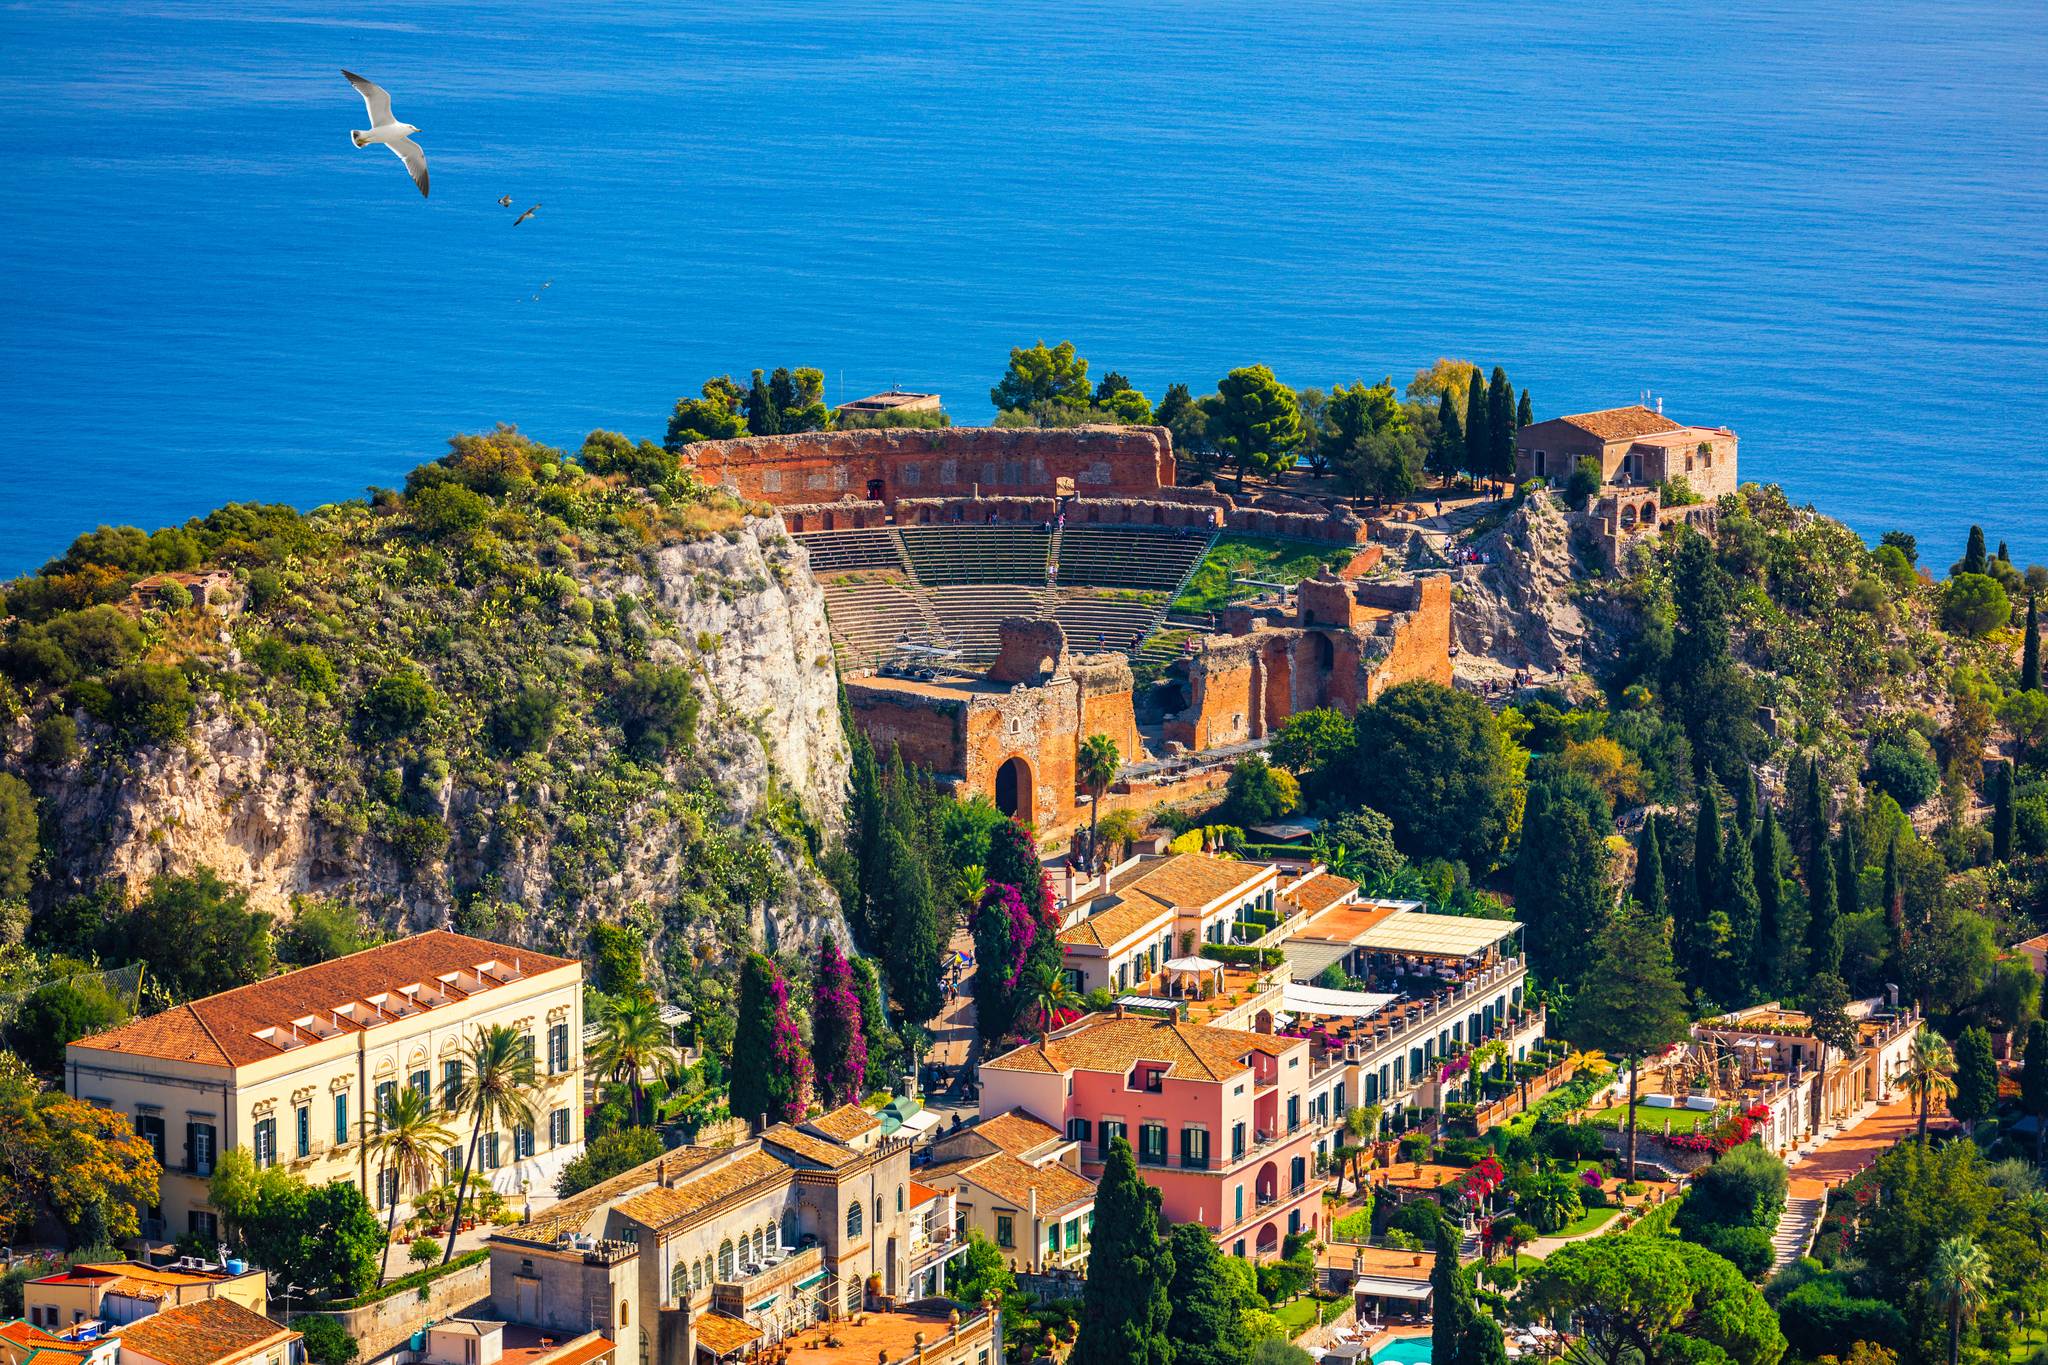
(1660, 405)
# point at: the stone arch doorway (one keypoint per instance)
(1014, 788)
(1268, 1243)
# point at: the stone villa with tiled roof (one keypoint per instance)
(1219, 1118)
(1017, 1181)
(704, 1254)
(1635, 445)
(1120, 940)
(290, 1068)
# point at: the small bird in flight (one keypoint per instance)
(388, 131)
(526, 215)
(505, 201)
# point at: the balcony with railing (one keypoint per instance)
(743, 1291)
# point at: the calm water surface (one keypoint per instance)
(1824, 225)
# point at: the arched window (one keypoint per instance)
(726, 1263)
(696, 1276)
(853, 1219)
(679, 1283)
(789, 1228)
(899, 1199)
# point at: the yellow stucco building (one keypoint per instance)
(289, 1068)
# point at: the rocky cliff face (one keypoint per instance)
(739, 609)
(1516, 611)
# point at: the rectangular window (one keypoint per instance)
(1240, 1207)
(1006, 1230)
(199, 1148)
(1052, 1240)
(341, 1118)
(558, 1128)
(205, 1227)
(1152, 1144)
(1293, 1112)
(489, 1147)
(451, 1084)
(1194, 1148)
(302, 1130)
(266, 1142)
(1073, 1233)
(558, 1048)
(522, 1142)
(1237, 1142)
(150, 1127)
(387, 1188)
(385, 1090)
(526, 1052)
(422, 1081)
(1077, 1130)
(1112, 1129)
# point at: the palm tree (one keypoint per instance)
(1096, 767)
(631, 1040)
(497, 1088)
(1050, 994)
(407, 1141)
(1959, 1279)
(1930, 1072)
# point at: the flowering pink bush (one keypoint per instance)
(786, 1049)
(1456, 1066)
(1591, 1178)
(838, 1038)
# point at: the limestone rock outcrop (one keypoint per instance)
(1516, 611)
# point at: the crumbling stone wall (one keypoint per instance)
(888, 464)
(848, 514)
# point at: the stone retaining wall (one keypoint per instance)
(377, 1327)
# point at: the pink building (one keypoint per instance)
(1218, 1118)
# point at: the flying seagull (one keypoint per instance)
(526, 215)
(505, 201)
(388, 131)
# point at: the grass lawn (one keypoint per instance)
(1650, 1120)
(1298, 1315)
(1588, 1222)
(1261, 557)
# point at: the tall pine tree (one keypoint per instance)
(1976, 1094)
(1500, 423)
(1649, 882)
(1823, 930)
(1638, 1008)
(1478, 432)
(1745, 802)
(2001, 812)
(1848, 874)
(1770, 898)
(2030, 648)
(1894, 895)
(1973, 553)
(1525, 415)
(1561, 889)
(1447, 449)
(839, 1049)
(1207, 1326)
(1125, 1312)
(1706, 850)
(918, 932)
(1742, 960)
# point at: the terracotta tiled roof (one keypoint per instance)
(922, 1194)
(21, 1344)
(1017, 1131)
(816, 1150)
(663, 1205)
(1191, 880)
(203, 1333)
(1012, 1182)
(722, 1335)
(569, 1215)
(221, 1029)
(1109, 1043)
(1321, 891)
(1621, 424)
(1345, 923)
(845, 1123)
(1131, 915)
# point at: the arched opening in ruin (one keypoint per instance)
(875, 491)
(1628, 516)
(1326, 654)
(1013, 788)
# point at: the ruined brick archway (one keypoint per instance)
(1014, 788)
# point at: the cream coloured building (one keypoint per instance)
(289, 1068)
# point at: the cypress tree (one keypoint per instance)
(1848, 874)
(1207, 1327)
(1976, 1094)
(1525, 416)
(1814, 836)
(1649, 883)
(1745, 802)
(1706, 850)
(2001, 812)
(2004, 557)
(769, 1066)
(1478, 432)
(1450, 1301)
(917, 936)
(1973, 554)
(1894, 894)
(863, 837)
(1124, 1308)
(1770, 899)
(1449, 451)
(2034, 1082)
(1561, 889)
(762, 418)
(2030, 650)
(1744, 960)
(1500, 423)
(1823, 929)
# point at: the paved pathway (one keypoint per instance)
(1836, 1158)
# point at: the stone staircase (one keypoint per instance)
(1796, 1226)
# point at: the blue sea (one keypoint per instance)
(1825, 225)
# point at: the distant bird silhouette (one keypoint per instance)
(526, 215)
(388, 131)
(505, 201)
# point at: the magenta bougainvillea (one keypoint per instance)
(786, 1053)
(1013, 939)
(1732, 1131)
(838, 1043)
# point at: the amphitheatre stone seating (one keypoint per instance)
(835, 551)
(970, 612)
(1122, 557)
(870, 614)
(977, 554)
(1095, 623)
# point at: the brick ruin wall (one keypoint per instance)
(946, 462)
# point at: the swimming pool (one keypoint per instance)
(1404, 1351)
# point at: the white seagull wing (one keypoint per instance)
(375, 97)
(415, 160)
